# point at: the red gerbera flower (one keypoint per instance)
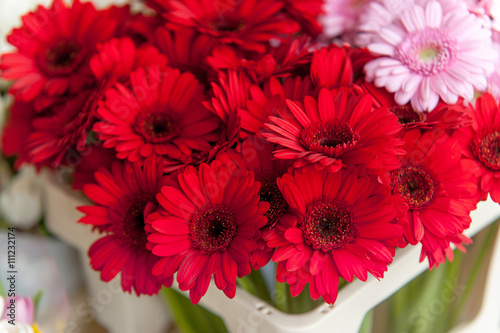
(60, 136)
(247, 24)
(336, 131)
(258, 157)
(291, 56)
(119, 57)
(93, 158)
(54, 49)
(208, 225)
(481, 144)
(306, 12)
(230, 93)
(332, 68)
(439, 189)
(337, 226)
(161, 115)
(270, 101)
(359, 58)
(123, 196)
(140, 27)
(16, 131)
(444, 116)
(436, 248)
(187, 50)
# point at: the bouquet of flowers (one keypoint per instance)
(216, 137)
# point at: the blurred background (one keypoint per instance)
(434, 302)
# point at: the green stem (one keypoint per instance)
(475, 270)
(191, 318)
(453, 270)
(281, 299)
(303, 302)
(399, 307)
(367, 324)
(42, 227)
(2, 290)
(254, 283)
(300, 304)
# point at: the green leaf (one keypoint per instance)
(189, 317)
(36, 300)
(254, 283)
(2, 290)
(367, 324)
(281, 296)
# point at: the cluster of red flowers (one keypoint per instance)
(213, 137)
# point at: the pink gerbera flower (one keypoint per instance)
(336, 226)
(440, 191)
(481, 144)
(208, 225)
(341, 16)
(336, 130)
(123, 196)
(426, 54)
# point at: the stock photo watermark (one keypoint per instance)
(427, 314)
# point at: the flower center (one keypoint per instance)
(328, 225)
(415, 186)
(270, 192)
(62, 59)
(427, 52)
(213, 228)
(129, 217)
(330, 137)
(407, 115)
(487, 150)
(228, 25)
(156, 127)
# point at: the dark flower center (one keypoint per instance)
(270, 193)
(213, 228)
(62, 59)
(328, 225)
(417, 187)
(129, 220)
(487, 150)
(407, 115)
(228, 25)
(156, 127)
(329, 137)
